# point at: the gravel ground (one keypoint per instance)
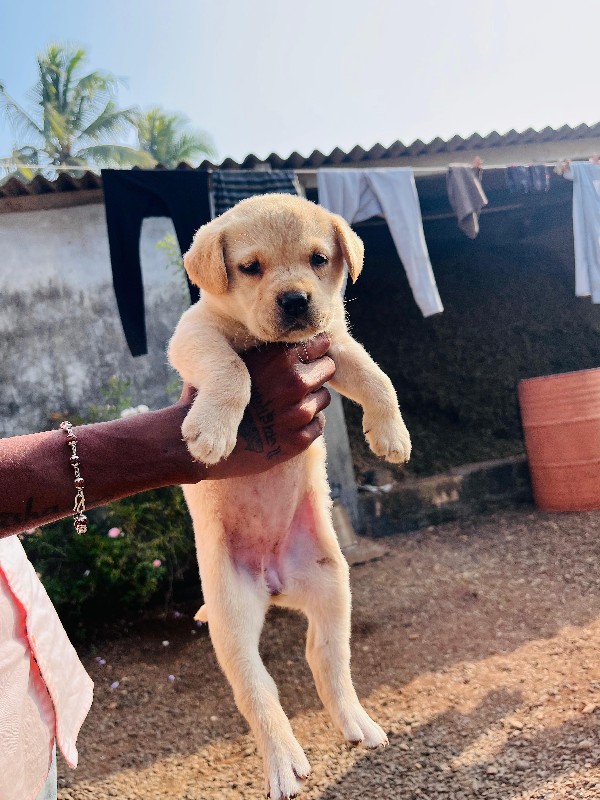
(475, 645)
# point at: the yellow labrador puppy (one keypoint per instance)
(271, 270)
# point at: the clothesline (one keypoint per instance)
(432, 170)
(300, 171)
(55, 168)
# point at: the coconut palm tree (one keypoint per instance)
(164, 138)
(74, 118)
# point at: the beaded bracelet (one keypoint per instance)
(79, 518)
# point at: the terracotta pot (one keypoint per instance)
(561, 422)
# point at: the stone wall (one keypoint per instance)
(60, 334)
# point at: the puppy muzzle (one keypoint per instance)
(294, 308)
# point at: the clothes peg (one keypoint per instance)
(477, 166)
(594, 158)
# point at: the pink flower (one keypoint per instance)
(157, 562)
(114, 533)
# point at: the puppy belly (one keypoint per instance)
(268, 526)
(273, 550)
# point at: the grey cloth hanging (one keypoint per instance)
(466, 196)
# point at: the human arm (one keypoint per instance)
(125, 456)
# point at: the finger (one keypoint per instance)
(304, 379)
(312, 349)
(314, 374)
(323, 399)
(315, 402)
(303, 413)
(188, 393)
(312, 431)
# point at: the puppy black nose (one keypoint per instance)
(293, 304)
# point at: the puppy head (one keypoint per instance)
(275, 264)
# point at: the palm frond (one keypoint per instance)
(20, 120)
(116, 155)
(111, 120)
(73, 63)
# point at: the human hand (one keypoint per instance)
(285, 412)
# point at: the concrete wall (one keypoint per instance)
(60, 333)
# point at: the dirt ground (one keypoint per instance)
(476, 645)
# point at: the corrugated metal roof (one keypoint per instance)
(398, 150)
(89, 182)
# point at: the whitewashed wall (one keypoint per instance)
(60, 333)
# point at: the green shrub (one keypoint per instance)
(94, 579)
(97, 579)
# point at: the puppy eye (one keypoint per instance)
(318, 260)
(250, 269)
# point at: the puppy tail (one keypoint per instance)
(202, 615)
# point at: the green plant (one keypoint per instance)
(136, 554)
(106, 576)
(169, 246)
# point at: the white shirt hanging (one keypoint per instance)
(358, 194)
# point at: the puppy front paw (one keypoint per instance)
(388, 437)
(210, 434)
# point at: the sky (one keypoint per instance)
(264, 76)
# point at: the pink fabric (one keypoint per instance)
(44, 690)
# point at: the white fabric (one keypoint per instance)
(44, 689)
(358, 194)
(586, 228)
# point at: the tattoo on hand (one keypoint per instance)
(250, 433)
(27, 515)
(256, 438)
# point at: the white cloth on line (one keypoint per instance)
(586, 227)
(358, 194)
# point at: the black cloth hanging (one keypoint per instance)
(129, 197)
(527, 178)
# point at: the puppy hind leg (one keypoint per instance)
(236, 620)
(327, 607)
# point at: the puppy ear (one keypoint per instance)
(204, 262)
(352, 247)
